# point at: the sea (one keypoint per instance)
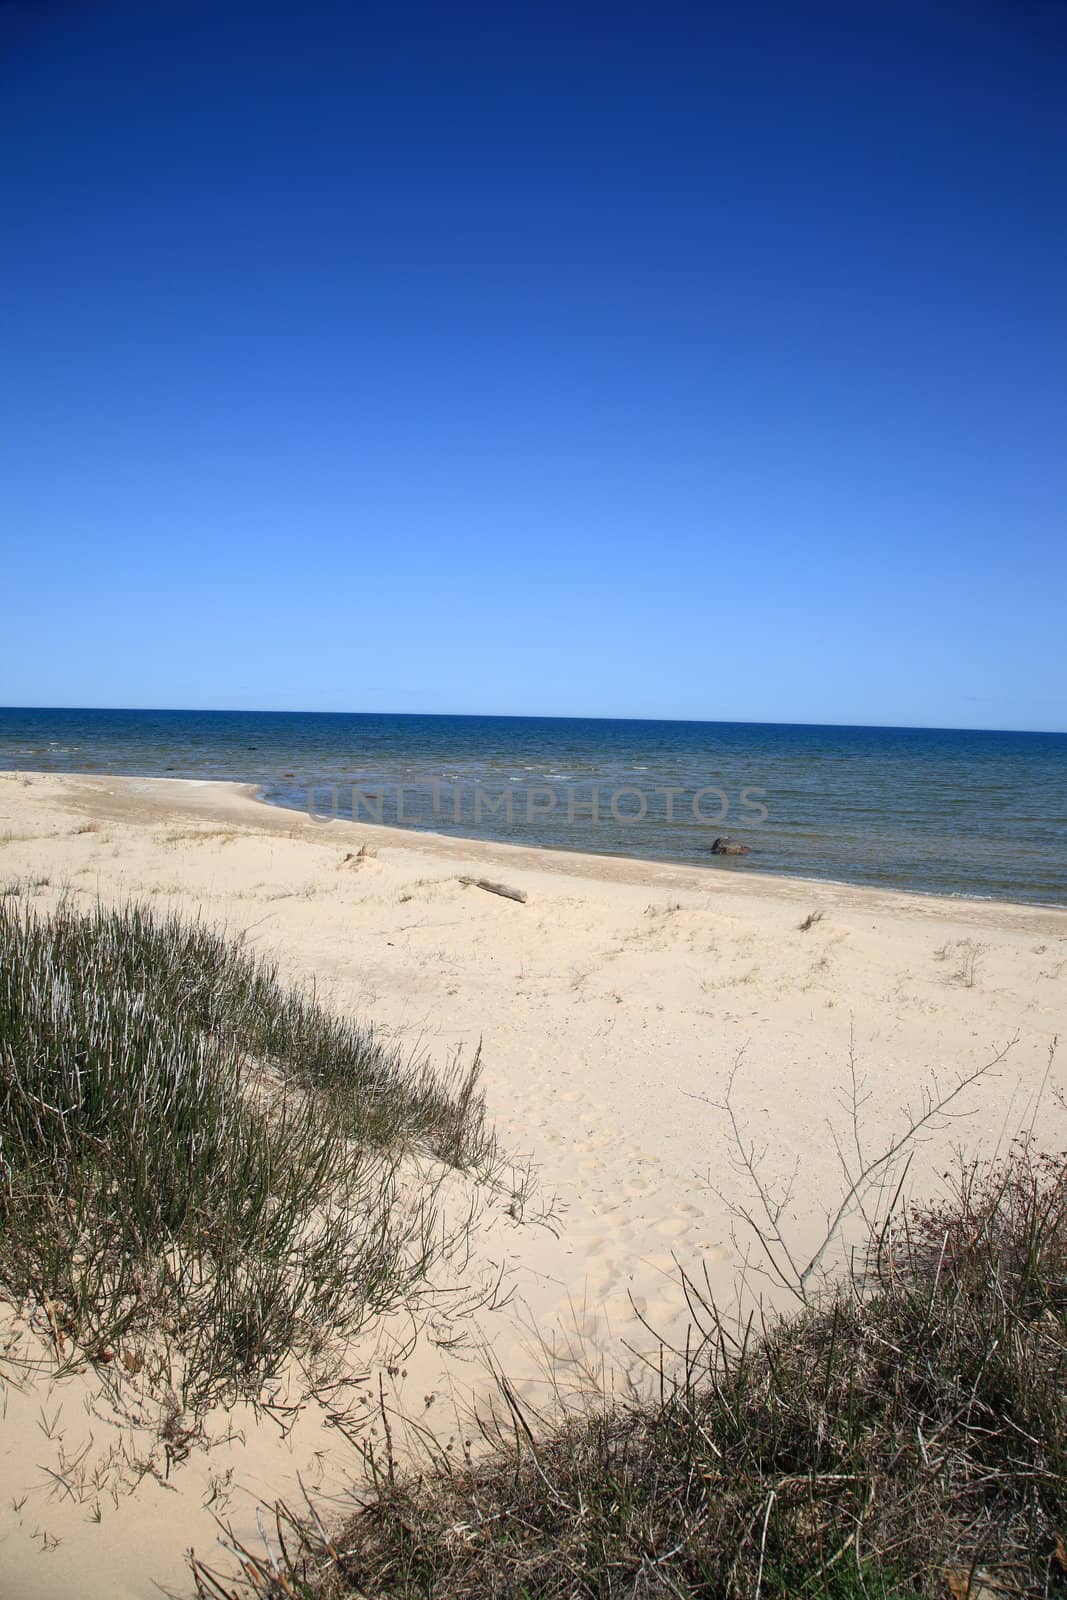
(937, 811)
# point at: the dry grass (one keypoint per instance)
(965, 955)
(906, 1436)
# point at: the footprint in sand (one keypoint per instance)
(672, 1227)
(661, 1262)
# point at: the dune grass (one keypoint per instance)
(905, 1437)
(202, 1171)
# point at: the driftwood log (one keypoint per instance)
(496, 888)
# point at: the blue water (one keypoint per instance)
(943, 811)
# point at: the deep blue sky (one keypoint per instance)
(641, 360)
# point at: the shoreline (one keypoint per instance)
(953, 813)
(586, 864)
(256, 792)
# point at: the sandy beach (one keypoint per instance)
(612, 1008)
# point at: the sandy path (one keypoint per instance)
(611, 1008)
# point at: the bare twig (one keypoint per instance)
(861, 1171)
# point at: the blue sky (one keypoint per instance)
(676, 360)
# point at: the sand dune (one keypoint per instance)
(612, 1008)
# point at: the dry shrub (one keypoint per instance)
(905, 1436)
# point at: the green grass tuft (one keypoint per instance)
(200, 1168)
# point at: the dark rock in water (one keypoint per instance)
(728, 847)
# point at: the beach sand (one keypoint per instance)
(612, 1008)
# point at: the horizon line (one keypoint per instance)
(521, 716)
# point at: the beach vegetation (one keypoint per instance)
(204, 1174)
(903, 1435)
